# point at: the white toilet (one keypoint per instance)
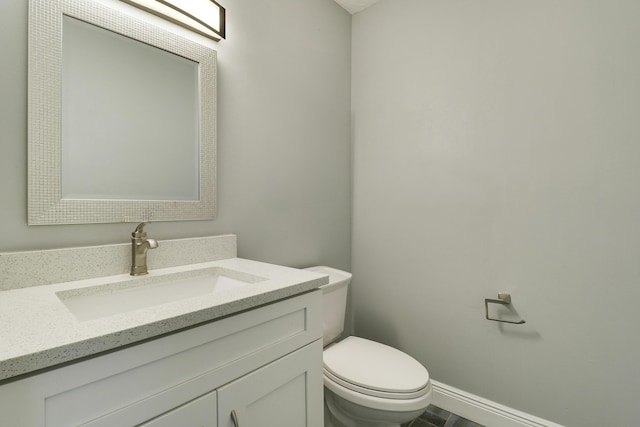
(367, 384)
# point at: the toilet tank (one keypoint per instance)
(334, 303)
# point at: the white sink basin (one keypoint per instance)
(134, 293)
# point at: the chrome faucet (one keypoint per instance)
(139, 247)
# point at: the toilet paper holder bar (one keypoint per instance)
(503, 299)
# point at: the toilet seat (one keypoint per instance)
(372, 392)
(380, 403)
(376, 370)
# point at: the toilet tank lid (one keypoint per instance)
(335, 275)
(375, 366)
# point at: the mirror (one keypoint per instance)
(121, 118)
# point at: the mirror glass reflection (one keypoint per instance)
(129, 118)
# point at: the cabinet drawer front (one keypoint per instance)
(143, 381)
(201, 412)
(198, 413)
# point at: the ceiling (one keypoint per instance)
(355, 6)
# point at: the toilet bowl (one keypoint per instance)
(367, 384)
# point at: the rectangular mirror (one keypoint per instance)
(121, 118)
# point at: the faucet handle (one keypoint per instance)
(139, 231)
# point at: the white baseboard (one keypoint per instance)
(483, 411)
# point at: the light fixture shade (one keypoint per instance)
(205, 17)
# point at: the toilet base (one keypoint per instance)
(339, 412)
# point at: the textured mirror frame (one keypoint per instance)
(45, 202)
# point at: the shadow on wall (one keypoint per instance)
(524, 332)
(377, 327)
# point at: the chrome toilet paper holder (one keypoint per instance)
(503, 299)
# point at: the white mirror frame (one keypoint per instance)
(46, 205)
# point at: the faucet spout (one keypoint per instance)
(140, 244)
(152, 243)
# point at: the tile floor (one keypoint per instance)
(436, 417)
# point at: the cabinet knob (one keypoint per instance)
(234, 418)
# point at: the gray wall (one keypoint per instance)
(496, 148)
(283, 137)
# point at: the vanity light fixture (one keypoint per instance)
(205, 17)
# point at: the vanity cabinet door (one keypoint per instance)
(284, 393)
(200, 412)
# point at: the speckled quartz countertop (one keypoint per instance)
(38, 330)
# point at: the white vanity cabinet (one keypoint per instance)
(264, 366)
